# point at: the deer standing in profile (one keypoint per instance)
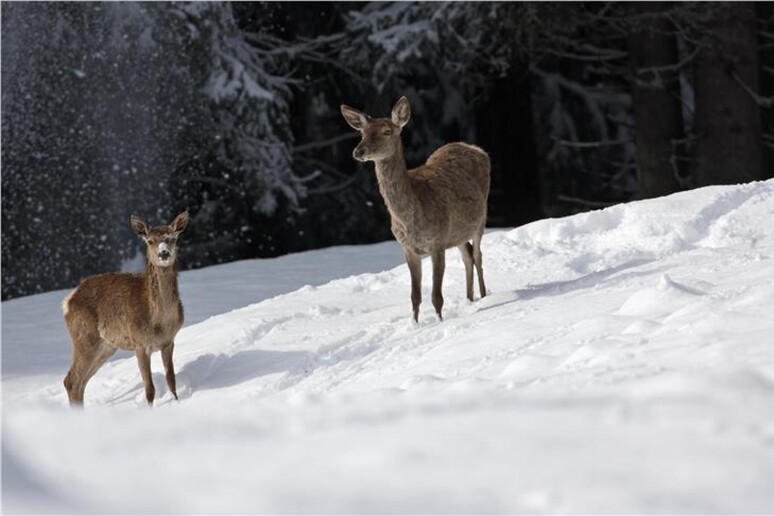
(137, 312)
(434, 207)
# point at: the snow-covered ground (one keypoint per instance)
(623, 362)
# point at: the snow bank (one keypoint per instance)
(623, 362)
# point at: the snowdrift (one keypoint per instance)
(622, 362)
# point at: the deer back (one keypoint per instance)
(452, 189)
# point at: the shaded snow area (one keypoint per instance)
(623, 362)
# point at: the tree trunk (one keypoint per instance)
(505, 130)
(728, 123)
(658, 116)
(765, 11)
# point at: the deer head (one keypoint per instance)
(380, 136)
(161, 241)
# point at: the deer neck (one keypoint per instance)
(395, 185)
(162, 288)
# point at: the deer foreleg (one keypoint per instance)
(166, 357)
(466, 250)
(439, 264)
(143, 360)
(477, 260)
(415, 268)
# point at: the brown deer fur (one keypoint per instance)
(434, 207)
(137, 312)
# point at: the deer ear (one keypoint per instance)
(356, 119)
(401, 112)
(140, 227)
(180, 222)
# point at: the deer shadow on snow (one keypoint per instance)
(591, 280)
(215, 371)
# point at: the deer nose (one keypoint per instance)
(164, 252)
(358, 153)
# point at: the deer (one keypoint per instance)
(137, 312)
(434, 207)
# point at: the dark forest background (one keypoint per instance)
(232, 110)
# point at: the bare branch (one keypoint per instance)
(602, 15)
(213, 181)
(322, 165)
(766, 34)
(689, 139)
(585, 202)
(670, 68)
(325, 143)
(610, 56)
(591, 145)
(675, 158)
(762, 101)
(311, 177)
(333, 189)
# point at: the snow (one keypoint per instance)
(623, 362)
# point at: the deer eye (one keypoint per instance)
(387, 132)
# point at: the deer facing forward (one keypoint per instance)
(137, 312)
(434, 207)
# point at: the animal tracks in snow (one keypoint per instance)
(617, 354)
(598, 319)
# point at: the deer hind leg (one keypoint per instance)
(477, 259)
(86, 362)
(75, 382)
(104, 351)
(89, 353)
(439, 264)
(466, 250)
(415, 268)
(143, 360)
(166, 357)
(85, 343)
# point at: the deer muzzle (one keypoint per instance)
(164, 253)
